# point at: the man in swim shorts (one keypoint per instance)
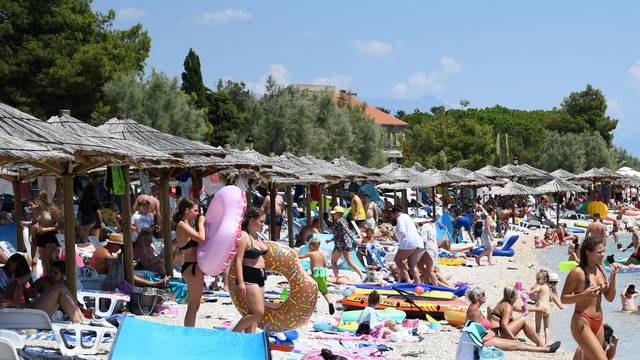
(277, 217)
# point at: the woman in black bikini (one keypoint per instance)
(250, 270)
(505, 326)
(46, 219)
(187, 240)
(584, 287)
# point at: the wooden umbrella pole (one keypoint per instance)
(433, 195)
(273, 193)
(290, 217)
(321, 210)
(69, 234)
(405, 200)
(17, 216)
(196, 185)
(166, 224)
(249, 197)
(334, 200)
(127, 250)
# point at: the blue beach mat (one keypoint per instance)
(409, 287)
(139, 339)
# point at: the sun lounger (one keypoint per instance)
(163, 341)
(109, 298)
(8, 349)
(17, 319)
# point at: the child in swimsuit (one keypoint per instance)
(319, 270)
(541, 294)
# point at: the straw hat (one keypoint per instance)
(337, 209)
(116, 238)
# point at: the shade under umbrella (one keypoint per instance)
(491, 171)
(559, 185)
(460, 171)
(562, 174)
(513, 188)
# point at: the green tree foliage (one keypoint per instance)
(157, 102)
(445, 141)
(588, 109)
(192, 82)
(59, 54)
(621, 157)
(309, 122)
(575, 152)
(229, 110)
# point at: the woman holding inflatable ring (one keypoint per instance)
(187, 240)
(250, 273)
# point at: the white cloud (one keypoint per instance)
(280, 74)
(372, 48)
(130, 13)
(223, 17)
(421, 82)
(339, 81)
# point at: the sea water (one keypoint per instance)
(625, 326)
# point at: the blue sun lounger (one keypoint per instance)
(139, 339)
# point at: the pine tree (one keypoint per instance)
(192, 83)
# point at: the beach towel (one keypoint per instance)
(355, 354)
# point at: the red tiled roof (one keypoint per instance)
(379, 117)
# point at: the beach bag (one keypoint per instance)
(143, 300)
(470, 342)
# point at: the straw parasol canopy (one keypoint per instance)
(400, 172)
(493, 172)
(476, 180)
(513, 188)
(67, 123)
(131, 130)
(596, 174)
(559, 185)
(418, 167)
(436, 179)
(519, 171)
(371, 174)
(18, 150)
(460, 171)
(562, 174)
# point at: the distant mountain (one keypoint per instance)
(424, 104)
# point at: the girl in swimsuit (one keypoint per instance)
(505, 326)
(46, 218)
(584, 287)
(250, 269)
(187, 240)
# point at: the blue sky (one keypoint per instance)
(521, 55)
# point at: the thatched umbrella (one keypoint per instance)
(596, 174)
(519, 171)
(401, 173)
(493, 172)
(434, 179)
(418, 167)
(460, 171)
(513, 188)
(562, 174)
(476, 180)
(556, 186)
(18, 150)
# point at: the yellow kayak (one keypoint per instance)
(434, 294)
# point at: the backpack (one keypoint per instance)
(471, 346)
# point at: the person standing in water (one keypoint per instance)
(597, 229)
(584, 287)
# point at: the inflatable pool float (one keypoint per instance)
(385, 314)
(623, 271)
(576, 230)
(300, 304)
(435, 308)
(632, 213)
(505, 250)
(410, 287)
(456, 316)
(598, 207)
(580, 224)
(433, 294)
(452, 262)
(567, 265)
(222, 230)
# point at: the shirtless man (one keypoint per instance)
(372, 210)
(597, 229)
(628, 298)
(100, 260)
(278, 220)
(585, 287)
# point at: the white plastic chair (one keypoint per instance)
(98, 297)
(8, 350)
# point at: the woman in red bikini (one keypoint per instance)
(584, 287)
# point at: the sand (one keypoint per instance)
(440, 344)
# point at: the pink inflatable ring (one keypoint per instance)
(222, 230)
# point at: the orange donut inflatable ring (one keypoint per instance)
(300, 304)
